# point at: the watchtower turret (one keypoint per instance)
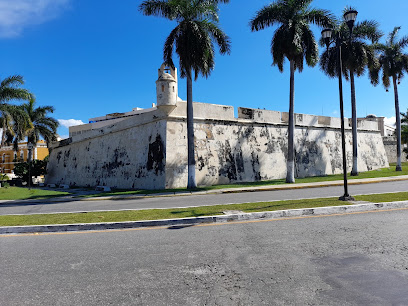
(166, 89)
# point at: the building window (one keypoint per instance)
(22, 156)
(162, 88)
(4, 157)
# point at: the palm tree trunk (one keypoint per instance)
(354, 171)
(3, 134)
(398, 130)
(191, 183)
(290, 163)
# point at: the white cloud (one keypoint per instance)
(70, 122)
(16, 15)
(63, 137)
(390, 121)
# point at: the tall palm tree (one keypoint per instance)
(393, 63)
(295, 41)
(194, 36)
(10, 90)
(357, 54)
(43, 125)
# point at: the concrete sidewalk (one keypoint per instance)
(218, 191)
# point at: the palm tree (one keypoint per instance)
(393, 63)
(42, 124)
(10, 90)
(295, 41)
(19, 127)
(357, 54)
(194, 36)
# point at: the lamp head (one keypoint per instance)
(326, 35)
(350, 17)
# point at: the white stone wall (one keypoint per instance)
(242, 151)
(149, 150)
(128, 157)
(390, 144)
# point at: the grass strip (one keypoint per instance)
(156, 214)
(383, 197)
(19, 193)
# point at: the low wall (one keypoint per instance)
(390, 145)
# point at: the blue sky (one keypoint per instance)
(90, 58)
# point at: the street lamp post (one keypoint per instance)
(350, 17)
(30, 149)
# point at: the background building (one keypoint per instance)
(9, 157)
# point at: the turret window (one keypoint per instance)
(162, 88)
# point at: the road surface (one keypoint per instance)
(355, 259)
(197, 200)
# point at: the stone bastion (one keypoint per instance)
(147, 149)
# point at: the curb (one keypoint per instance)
(267, 215)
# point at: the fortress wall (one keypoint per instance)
(149, 150)
(205, 110)
(390, 144)
(258, 115)
(243, 151)
(129, 157)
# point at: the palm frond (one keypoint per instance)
(403, 42)
(268, 16)
(160, 8)
(393, 35)
(12, 81)
(168, 47)
(321, 18)
(311, 50)
(367, 29)
(223, 41)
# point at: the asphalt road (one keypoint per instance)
(356, 259)
(196, 200)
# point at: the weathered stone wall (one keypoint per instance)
(244, 151)
(130, 154)
(149, 150)
(390, 145)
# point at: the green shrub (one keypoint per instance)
(38, 168)
(4, 177)
(5, 184)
